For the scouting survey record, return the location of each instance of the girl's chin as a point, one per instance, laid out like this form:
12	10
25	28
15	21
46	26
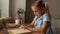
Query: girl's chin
35	15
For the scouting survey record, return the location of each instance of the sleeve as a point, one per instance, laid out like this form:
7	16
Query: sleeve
46	18
35	18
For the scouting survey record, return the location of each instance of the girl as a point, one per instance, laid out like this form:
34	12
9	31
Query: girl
42	21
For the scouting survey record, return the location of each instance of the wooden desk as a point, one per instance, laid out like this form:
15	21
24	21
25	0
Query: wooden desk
19	31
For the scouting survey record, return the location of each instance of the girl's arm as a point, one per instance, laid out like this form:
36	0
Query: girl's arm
39	30
31	24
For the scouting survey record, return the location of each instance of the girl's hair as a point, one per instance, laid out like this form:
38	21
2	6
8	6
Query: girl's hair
41	4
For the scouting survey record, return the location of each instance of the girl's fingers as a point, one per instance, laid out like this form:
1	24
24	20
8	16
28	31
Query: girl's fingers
21	27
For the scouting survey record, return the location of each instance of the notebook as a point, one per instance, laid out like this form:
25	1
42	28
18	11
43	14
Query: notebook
18	31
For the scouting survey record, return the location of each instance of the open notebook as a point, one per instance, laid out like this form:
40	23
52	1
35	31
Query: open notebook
18	31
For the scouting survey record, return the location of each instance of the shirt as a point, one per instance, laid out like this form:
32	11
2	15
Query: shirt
39	21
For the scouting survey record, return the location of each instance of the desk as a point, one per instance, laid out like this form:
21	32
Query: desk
19	31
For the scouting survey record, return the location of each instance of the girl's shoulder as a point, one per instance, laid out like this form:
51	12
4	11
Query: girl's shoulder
46	17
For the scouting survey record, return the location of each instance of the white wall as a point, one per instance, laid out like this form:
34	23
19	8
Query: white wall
16	4
20	4
4	8
13	6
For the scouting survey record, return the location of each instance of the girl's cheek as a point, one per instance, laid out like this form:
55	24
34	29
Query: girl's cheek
36	14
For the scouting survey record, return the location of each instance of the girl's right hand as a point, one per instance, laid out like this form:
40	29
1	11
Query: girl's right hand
21	27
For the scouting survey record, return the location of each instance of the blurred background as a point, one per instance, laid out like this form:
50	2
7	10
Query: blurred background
8	9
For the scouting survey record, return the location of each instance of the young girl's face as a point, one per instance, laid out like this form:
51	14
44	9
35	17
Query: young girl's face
37	12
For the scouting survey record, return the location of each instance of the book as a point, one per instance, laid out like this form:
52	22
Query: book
18	31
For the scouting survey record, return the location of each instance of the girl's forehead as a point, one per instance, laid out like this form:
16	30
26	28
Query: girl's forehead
35	8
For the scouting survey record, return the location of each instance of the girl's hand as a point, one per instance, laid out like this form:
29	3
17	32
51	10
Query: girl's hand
23	27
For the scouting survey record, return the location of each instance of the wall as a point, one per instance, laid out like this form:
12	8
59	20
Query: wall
16	4
4	8
0	4
0	8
